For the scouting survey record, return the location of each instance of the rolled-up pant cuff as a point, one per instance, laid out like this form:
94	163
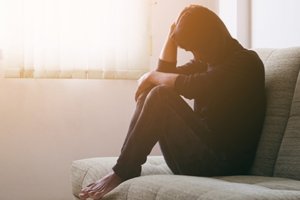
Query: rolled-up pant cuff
126	172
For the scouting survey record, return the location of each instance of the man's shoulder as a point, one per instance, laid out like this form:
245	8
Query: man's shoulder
247	56
245	59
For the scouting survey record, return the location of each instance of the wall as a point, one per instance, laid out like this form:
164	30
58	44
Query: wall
275	23
45	124
262	24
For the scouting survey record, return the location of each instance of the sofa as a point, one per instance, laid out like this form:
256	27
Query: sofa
275	174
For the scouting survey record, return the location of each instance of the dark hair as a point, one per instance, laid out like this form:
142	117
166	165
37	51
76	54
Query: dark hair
198	28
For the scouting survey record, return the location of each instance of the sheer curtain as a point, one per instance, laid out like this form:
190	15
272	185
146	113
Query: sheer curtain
74	38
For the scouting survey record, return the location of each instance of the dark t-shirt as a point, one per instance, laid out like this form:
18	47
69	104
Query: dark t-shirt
229	97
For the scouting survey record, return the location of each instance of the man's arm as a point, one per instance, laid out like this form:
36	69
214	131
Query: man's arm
158	77
168	59
155	78
168	53
169	50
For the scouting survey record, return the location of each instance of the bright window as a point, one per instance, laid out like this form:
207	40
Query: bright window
228	13
74	38
236	15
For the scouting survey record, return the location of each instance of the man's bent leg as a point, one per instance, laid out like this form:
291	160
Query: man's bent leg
149	123
157	115
101	187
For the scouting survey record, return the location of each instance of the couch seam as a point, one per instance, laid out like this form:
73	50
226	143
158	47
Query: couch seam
129	186
279	146
273	166
271	53
156	194
83	178
266	61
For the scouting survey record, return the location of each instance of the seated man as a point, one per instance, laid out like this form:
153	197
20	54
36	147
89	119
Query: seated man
220	135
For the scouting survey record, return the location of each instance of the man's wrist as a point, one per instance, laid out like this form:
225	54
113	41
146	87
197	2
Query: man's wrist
169	52
165	66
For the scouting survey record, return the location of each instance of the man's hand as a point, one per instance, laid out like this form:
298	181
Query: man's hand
187	8
143	85
154	78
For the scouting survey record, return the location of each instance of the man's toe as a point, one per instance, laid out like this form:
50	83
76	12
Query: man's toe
83	195
97	195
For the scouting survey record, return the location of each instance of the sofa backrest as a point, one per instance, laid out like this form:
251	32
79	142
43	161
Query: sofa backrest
278	152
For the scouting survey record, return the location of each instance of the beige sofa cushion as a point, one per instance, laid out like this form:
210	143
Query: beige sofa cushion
86	171
174	187
288	161
282	71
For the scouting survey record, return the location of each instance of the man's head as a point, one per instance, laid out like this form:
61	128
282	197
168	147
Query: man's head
201	31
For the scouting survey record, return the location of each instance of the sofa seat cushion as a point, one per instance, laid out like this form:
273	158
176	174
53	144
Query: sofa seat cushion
157	182
86	171
267	182
164	187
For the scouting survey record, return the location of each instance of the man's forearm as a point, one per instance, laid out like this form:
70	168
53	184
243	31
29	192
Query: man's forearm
169	51
155	78
160	78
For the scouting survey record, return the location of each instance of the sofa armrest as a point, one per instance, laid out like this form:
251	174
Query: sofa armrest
86	171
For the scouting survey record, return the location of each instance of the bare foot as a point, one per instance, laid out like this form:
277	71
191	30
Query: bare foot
101	187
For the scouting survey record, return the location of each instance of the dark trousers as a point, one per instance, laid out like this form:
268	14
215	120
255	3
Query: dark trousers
162	116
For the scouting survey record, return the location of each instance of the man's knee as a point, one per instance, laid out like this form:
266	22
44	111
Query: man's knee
155	92
161	91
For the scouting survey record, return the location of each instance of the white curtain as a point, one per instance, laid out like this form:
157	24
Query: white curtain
74	38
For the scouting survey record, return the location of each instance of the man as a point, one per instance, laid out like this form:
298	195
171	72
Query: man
219	136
